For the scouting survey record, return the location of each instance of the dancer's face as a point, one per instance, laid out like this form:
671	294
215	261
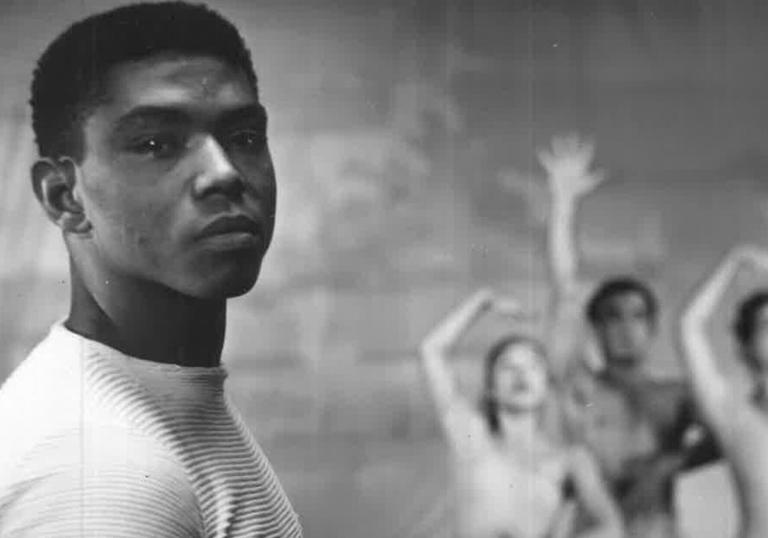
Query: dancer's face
521	378
624	330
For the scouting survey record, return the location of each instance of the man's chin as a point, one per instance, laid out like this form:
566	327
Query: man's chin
223	286
233	287
230	291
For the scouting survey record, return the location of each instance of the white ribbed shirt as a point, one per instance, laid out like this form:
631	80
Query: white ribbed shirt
99	444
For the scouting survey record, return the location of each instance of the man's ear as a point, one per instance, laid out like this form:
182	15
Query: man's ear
54	183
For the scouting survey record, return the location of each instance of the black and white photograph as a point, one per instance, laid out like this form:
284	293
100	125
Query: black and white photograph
383	269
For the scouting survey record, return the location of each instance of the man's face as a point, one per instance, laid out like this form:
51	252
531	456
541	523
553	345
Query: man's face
624	329
177	178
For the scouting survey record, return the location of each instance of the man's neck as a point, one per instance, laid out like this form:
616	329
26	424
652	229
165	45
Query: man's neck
146	320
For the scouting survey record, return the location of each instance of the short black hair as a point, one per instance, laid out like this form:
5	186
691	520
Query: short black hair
620	286
69	79
744	324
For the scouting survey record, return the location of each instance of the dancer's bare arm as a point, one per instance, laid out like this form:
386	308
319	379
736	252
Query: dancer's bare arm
712	391
437	345
569	177
740	427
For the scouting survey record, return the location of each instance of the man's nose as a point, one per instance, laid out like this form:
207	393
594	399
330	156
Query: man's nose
217	174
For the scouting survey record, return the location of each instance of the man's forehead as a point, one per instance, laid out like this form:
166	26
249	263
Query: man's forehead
168	80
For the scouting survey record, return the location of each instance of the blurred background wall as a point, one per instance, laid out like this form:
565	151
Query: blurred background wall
404	135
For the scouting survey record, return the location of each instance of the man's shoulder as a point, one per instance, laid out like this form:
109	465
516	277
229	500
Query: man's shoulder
104	474
95	445
52	356
104	446
48	406
42	388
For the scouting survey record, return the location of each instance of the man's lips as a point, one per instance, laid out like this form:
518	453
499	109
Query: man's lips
230	224
231	232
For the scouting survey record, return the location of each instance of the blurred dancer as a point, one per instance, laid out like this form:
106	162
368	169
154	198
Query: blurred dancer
512	479
638	426
634	424
738	420
154	164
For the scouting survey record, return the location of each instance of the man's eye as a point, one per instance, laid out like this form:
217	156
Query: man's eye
157	146
248	140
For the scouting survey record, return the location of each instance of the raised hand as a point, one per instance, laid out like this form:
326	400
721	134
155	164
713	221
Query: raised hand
568	165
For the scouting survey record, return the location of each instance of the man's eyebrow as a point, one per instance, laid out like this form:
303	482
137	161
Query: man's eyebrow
140	115
153	114
245	113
